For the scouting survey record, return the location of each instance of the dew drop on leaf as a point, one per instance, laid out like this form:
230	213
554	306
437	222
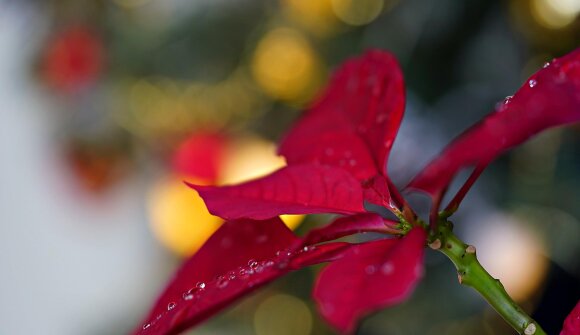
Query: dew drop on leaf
370	269
387	268
252	264
222	282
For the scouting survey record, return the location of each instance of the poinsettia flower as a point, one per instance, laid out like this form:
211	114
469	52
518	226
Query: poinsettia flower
337	155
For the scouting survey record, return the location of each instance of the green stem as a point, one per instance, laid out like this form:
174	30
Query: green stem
471	273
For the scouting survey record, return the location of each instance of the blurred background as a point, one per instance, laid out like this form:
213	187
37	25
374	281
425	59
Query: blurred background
107	105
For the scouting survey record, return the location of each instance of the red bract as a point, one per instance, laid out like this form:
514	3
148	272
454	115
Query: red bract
572	322
549	98
336	160
368	277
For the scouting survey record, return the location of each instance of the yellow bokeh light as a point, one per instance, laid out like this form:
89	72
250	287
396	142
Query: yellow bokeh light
286	67
179	218
249	158
317	16
511	252
357	12
283	314
555	14
130	3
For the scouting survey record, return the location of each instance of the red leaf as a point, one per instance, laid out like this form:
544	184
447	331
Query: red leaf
549	98
370	276
348	225
233	262
311	255
572	322
240	257
299	189
200	156
354	124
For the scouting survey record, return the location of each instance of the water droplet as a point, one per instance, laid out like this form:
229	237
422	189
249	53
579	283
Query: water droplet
262	239
222	282
532	82
252	264
501	106
171	306
147	325
282	265
200	285
269	263
381	118
546	64
387	268
231	275
226	242
306	249
370	269
243	273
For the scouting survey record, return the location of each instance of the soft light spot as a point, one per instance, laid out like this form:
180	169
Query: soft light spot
532	82
357	12
555	14
283	314
250	158
511	251
287	67
178	216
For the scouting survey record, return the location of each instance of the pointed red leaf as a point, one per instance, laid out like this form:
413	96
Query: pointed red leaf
299	189
354	124
348	225
240	257
230	251
549	98
311	255
572	322
368	277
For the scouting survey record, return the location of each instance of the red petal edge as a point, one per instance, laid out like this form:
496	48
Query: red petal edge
572	322
349	225
369	277
549	98
355	122
300	189
240	257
